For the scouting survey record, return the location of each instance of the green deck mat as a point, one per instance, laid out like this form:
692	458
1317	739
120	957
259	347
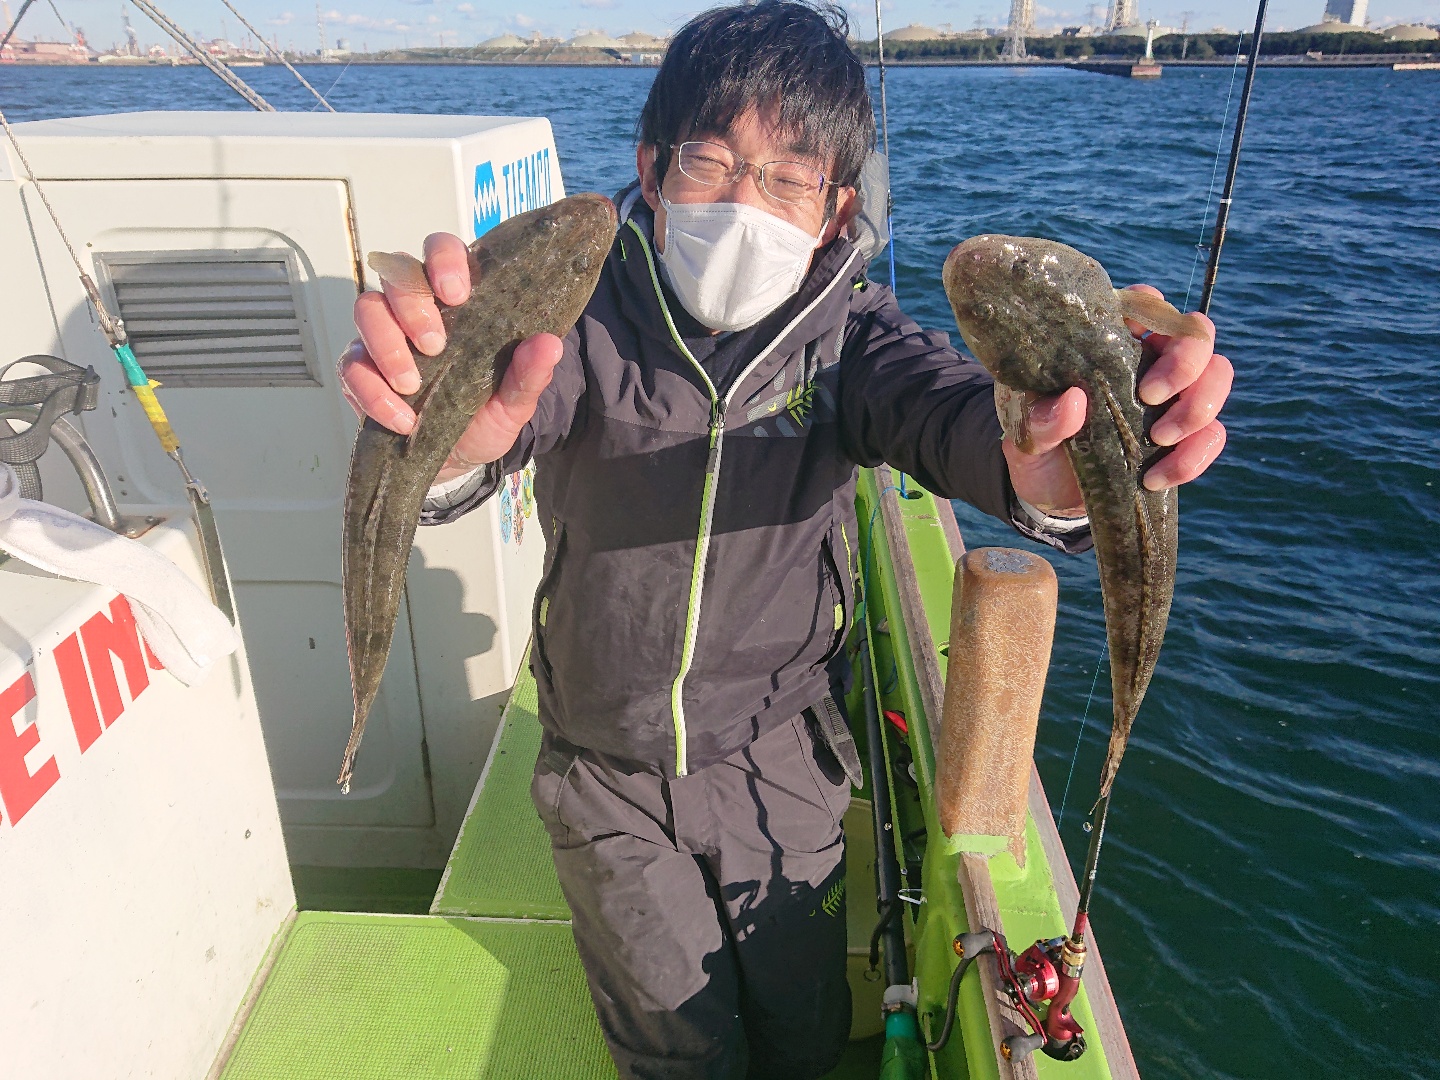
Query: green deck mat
377	997
501	865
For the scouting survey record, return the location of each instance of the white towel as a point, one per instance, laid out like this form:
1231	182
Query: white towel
186	632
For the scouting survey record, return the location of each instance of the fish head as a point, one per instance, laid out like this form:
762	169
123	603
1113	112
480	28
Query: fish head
564	241
1011	296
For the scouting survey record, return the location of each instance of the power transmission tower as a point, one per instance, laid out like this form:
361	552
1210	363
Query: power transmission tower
1022	21
320	25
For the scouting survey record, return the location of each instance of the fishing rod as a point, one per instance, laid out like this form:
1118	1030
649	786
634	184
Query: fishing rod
885	143
1068	955
1049	971
1222	216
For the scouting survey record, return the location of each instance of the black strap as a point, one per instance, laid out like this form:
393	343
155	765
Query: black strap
835	733
40	400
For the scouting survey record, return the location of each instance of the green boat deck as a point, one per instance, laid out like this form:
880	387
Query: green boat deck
486	986
489	985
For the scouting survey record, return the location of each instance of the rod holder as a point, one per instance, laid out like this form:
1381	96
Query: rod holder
1002	625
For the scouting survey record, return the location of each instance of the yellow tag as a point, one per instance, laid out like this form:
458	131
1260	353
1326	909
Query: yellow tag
544	608
839	616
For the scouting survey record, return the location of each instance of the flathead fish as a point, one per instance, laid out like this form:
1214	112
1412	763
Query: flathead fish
1043	317
531	274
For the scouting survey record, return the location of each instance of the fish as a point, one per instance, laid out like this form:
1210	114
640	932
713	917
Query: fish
533	273
1042	317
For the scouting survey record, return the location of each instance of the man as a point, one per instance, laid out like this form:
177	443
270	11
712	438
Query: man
696	439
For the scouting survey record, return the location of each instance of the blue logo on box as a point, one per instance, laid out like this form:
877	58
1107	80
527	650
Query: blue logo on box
487	199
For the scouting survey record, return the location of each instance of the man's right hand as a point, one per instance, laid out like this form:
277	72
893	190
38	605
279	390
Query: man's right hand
377	368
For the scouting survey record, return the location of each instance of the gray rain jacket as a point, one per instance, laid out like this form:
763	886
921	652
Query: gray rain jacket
701	540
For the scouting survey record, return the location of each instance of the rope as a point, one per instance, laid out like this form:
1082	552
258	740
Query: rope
15	25
114	330
60	18
279	56
195	49
140	383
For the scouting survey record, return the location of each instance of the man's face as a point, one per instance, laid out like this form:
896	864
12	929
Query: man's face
754	137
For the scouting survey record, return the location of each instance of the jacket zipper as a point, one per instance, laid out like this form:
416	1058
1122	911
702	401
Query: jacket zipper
718	407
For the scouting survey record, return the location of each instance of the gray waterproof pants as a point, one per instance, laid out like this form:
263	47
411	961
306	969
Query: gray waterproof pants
709	911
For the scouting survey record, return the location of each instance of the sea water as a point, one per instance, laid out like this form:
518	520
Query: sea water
1269	899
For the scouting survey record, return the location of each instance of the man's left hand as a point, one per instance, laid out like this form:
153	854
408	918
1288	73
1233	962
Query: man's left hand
1186	368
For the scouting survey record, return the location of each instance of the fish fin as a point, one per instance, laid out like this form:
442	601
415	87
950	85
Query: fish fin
1133	453
1161	316
1145	649
400	270
1012	406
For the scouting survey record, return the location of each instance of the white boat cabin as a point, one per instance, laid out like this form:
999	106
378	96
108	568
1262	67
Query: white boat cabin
146	828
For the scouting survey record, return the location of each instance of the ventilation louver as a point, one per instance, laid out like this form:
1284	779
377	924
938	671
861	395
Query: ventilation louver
212	318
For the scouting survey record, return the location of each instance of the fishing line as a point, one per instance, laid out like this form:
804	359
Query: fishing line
1214	173
335	84
1104	645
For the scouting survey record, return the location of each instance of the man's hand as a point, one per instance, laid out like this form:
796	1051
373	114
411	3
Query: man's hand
377	369
1187	369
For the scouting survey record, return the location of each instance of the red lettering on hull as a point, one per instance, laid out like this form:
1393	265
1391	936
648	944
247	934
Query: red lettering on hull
86	677
114	636
20	789
75	682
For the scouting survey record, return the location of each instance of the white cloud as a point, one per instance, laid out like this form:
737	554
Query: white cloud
521	19
284	19
465	9
603	5
366	22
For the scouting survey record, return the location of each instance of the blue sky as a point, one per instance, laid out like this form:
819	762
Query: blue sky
392	23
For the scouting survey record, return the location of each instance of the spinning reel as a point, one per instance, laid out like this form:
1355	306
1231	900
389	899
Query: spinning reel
1047	975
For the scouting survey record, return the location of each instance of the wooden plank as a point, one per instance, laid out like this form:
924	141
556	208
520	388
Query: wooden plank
912	607
982	909
981	906
1111	1031
950	527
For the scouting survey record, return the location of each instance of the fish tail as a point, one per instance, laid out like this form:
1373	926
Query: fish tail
1119	737
352	747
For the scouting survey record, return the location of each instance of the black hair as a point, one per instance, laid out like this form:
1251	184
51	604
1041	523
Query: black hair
780	54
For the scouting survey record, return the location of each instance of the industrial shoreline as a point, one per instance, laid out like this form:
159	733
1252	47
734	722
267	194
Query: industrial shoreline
1422	61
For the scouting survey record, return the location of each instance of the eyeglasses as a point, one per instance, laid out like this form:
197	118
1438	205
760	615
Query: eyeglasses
713	165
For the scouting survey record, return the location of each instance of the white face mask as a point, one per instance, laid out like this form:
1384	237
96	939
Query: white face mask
732	264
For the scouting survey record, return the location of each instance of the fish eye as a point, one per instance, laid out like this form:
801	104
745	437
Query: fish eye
983	310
